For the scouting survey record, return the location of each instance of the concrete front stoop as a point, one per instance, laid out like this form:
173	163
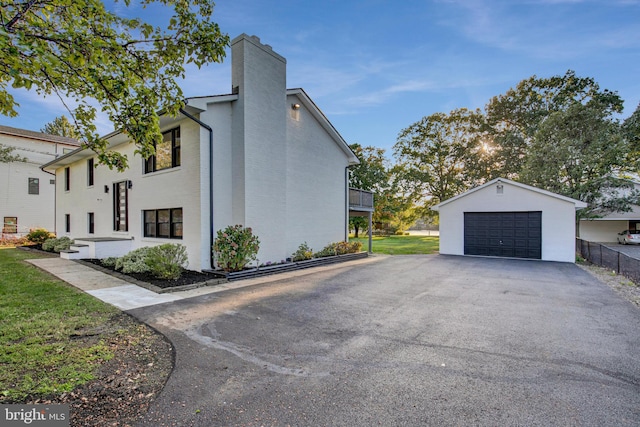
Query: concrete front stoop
97	248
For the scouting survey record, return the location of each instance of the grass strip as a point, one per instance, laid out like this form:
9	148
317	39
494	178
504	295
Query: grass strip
51	335
401	245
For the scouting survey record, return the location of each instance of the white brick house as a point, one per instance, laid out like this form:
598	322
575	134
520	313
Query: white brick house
263	156
27	194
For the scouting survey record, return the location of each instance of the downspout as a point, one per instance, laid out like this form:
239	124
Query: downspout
55	198
346	201
207	127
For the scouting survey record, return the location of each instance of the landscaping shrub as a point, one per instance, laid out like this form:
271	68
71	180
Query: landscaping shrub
134	261
39	236
304	252
339	248
110	261
235	247
167	261
12	241
57	245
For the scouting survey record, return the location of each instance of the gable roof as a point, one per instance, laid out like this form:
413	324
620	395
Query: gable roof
578	203
44	137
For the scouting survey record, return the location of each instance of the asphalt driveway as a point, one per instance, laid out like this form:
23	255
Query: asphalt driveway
408	340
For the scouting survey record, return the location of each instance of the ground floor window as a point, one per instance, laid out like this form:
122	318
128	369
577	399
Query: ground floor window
91	222
10	225
166	223
67	223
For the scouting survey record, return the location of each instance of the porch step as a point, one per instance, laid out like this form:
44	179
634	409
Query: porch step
102	247
70	254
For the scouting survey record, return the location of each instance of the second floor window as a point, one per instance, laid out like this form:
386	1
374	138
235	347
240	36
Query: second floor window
67	179
167	152
90	169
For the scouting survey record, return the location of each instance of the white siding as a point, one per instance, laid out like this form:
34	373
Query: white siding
32	210
602	230
558	218
315	184
170	188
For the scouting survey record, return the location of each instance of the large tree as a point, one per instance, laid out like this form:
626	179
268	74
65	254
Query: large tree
515	117
434	155
370	174
79	50
581	153
631	131
61	126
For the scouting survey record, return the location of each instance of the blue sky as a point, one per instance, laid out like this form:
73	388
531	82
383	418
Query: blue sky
375	67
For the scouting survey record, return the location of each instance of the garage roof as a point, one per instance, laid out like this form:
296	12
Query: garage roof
578	203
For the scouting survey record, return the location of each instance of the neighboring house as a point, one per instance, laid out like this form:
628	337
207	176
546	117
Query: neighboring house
27	194
605	229
262	156
503	218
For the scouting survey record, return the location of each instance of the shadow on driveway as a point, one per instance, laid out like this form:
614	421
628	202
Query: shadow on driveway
405	340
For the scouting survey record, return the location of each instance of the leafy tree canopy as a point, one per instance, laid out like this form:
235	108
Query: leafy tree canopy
370	174
579	153
61	126
79	50
631	131
434	154
515	116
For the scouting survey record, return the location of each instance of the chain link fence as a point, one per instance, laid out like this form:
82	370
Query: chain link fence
603	256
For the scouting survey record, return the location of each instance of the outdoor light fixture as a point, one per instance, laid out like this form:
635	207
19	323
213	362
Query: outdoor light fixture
106	188
129	185
295	106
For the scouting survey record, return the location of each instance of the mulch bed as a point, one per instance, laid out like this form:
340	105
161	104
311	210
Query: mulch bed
188	277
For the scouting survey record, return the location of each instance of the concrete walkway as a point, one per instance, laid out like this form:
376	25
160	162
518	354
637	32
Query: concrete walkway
127	296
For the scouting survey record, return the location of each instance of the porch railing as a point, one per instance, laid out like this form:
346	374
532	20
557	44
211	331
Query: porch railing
360	200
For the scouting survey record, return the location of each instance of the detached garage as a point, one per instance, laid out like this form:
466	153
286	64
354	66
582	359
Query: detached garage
503	218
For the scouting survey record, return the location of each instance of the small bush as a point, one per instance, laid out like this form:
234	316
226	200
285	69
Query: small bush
12	241
167	261
329	250
110	261
304	252
134	261
235	247
339	248
399	233
39	236
57	245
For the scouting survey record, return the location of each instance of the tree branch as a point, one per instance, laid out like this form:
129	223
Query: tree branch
19	15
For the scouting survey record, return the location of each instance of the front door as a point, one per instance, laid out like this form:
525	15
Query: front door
120	206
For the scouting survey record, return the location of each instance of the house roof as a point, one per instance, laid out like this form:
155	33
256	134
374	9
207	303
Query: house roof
44	137
578	203
198	104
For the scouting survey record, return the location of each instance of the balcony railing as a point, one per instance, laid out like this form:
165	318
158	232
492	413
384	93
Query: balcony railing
360	200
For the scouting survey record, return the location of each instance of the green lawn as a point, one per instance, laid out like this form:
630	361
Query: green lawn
51	338
401	245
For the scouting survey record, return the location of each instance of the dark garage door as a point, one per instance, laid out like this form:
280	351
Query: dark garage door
503	234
